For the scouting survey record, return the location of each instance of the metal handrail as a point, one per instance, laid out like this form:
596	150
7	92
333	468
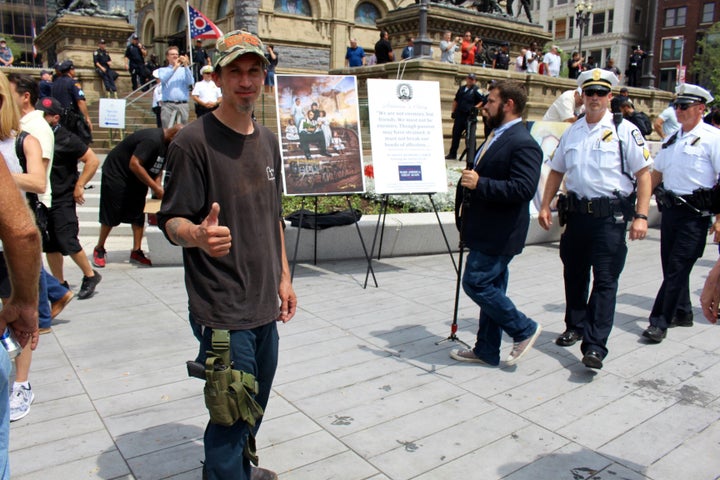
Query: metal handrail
142	94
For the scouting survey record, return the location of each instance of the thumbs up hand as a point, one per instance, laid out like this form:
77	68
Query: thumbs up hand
213	238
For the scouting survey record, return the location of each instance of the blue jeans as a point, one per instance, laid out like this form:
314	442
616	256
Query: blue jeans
55	289
5	368
254	351
485	281
51	290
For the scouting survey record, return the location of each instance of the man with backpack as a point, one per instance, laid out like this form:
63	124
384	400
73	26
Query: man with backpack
640	119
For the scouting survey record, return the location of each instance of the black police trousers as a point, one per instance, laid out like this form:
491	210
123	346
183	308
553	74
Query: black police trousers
597	245
683	234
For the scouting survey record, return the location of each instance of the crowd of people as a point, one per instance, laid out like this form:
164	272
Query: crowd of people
469	49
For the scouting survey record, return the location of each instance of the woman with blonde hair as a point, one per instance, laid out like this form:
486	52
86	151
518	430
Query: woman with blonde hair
34	181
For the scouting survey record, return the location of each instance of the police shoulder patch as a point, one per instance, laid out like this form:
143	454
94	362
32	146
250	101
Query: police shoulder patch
638	137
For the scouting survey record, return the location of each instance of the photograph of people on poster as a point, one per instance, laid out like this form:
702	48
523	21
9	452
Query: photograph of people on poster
318	125
547	134
406	136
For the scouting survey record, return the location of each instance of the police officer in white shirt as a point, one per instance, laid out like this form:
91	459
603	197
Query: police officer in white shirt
688	166
206	94
601	161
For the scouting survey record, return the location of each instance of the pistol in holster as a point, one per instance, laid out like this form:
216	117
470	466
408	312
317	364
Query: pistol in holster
707	199
562	209
229	393
626	205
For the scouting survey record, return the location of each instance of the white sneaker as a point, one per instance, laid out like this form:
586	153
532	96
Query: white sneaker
20	400
521	348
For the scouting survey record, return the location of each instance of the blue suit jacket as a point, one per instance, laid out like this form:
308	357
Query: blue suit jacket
497	220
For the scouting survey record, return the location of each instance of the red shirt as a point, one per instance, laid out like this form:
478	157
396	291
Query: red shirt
468	50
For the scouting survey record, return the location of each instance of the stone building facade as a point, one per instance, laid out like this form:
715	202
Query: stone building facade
309	35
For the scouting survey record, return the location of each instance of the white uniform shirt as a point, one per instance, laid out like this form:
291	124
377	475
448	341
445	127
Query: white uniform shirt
207	91
589	156
692	161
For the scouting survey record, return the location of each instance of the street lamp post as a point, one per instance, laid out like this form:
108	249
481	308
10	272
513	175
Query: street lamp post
423	42
582	18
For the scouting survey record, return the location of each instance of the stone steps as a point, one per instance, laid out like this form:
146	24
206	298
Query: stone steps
138	115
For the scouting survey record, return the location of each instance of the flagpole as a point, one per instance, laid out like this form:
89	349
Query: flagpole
189	39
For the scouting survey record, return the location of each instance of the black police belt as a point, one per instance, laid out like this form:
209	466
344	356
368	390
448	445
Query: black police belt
598	207
703	201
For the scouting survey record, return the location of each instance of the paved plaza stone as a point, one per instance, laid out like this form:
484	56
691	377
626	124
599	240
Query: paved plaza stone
365	391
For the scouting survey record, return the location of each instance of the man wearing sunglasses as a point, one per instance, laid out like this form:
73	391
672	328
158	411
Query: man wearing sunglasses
688	166
601	161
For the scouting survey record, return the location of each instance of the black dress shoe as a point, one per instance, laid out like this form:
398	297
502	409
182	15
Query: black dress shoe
655	334
568	338
684	321
450	157
592	359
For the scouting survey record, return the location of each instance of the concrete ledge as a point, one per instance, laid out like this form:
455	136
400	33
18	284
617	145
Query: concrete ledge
404	234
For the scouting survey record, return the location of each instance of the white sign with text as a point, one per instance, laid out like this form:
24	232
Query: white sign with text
112	113
406	136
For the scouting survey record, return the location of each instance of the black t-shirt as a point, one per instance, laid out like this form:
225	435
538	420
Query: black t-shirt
64	173
148	145
382	51
272	62
209	162
573	72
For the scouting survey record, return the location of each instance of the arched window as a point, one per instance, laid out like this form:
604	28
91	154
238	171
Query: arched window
366	13
149	32
222	9
181	21
296	7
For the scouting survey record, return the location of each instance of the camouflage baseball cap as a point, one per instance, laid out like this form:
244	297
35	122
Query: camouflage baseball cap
235	44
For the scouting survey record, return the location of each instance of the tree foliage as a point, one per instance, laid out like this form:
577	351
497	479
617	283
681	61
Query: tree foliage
706	64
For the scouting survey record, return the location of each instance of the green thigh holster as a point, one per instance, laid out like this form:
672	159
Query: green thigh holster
230	394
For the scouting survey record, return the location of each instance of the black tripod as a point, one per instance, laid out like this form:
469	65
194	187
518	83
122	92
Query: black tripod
460	212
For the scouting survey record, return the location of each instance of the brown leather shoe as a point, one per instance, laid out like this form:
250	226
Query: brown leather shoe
57	307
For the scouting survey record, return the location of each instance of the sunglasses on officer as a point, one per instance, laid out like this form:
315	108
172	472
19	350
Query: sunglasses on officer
684	106
599	92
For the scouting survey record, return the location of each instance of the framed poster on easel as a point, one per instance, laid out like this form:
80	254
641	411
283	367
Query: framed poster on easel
321	147
319	130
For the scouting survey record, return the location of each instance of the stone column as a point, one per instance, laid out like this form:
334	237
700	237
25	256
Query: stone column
246	15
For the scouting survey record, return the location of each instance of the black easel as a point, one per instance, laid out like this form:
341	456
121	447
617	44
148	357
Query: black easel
380	227
300	228
470	164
